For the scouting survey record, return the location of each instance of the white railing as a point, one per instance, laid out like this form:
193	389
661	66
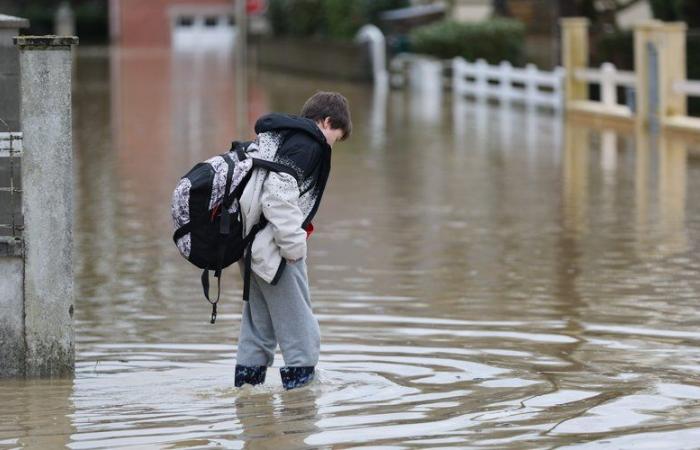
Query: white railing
506	83
410	70
609	79
690	88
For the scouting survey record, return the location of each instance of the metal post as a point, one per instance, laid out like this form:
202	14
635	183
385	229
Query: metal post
47	175
659	54
241	69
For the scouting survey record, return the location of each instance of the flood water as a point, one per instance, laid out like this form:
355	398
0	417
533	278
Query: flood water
484	277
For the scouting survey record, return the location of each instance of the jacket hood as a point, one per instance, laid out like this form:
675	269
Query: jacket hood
278	121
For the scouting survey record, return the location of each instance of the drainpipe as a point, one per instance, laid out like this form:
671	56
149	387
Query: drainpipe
375	37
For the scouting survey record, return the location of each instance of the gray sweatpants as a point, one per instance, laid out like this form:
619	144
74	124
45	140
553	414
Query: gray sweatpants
281	314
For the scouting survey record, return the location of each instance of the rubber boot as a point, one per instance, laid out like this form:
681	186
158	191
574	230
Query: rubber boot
294	377
249	375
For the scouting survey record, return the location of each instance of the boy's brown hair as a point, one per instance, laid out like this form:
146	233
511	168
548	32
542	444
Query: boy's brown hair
329	104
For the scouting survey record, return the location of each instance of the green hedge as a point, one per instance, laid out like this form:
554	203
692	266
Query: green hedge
91	18
335	19
494	40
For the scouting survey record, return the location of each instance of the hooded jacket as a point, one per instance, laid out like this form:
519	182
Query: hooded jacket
288	203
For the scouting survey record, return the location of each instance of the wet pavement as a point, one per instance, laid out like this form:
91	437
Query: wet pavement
484	277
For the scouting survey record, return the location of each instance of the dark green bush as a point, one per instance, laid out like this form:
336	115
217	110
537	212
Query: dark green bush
677	10
693	68
335	19
91	20
494	40
342	18
616	47
305	18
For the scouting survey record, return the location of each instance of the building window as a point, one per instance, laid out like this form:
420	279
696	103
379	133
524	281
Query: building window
185	21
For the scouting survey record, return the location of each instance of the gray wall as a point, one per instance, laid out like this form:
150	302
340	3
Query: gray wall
340	60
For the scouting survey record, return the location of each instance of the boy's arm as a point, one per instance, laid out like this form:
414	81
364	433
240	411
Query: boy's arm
280	206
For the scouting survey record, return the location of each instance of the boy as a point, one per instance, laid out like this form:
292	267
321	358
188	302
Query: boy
279	307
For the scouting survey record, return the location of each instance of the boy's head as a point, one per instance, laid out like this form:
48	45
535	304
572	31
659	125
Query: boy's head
331	113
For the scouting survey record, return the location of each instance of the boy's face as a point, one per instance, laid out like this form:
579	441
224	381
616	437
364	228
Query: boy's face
332	134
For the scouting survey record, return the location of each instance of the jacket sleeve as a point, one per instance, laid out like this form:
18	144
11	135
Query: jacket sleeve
280	196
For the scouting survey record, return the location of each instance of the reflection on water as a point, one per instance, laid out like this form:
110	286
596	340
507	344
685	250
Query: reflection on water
484	276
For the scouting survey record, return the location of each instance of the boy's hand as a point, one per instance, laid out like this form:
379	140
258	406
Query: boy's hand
292	261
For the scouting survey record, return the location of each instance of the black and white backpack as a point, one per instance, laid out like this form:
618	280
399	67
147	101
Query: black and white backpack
207	217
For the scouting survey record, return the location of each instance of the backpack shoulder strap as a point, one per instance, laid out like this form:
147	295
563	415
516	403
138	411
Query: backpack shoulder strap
275	167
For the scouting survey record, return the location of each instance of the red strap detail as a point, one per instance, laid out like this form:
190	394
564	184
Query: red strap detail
214	211
309	229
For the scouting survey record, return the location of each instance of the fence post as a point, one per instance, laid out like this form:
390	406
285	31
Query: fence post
457	75
558	89
47	177
481	82
660	61
531	84
575	56
506	82
608	88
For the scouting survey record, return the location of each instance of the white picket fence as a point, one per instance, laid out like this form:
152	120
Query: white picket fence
609	78
691	88
528	85
506	83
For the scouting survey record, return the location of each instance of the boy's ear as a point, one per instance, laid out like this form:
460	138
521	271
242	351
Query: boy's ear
327	123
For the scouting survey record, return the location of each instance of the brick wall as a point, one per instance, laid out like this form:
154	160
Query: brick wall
146	23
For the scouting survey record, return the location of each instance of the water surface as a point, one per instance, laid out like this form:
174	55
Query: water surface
484	277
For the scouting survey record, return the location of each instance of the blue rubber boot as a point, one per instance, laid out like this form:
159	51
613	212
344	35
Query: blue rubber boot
249	375
294	377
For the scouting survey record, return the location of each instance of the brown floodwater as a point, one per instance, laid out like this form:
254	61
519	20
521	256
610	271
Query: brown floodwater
484	276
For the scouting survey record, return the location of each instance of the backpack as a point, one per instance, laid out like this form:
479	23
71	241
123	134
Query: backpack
207	217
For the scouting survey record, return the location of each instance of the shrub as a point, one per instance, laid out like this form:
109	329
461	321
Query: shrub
341	18
677	11
305	18
336	19
616	47
494	40
91	21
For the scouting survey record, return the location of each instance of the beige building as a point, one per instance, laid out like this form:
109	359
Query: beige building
472	10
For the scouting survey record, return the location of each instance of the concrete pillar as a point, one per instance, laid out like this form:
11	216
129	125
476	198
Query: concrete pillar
574	47
47	175
9	72
660	61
